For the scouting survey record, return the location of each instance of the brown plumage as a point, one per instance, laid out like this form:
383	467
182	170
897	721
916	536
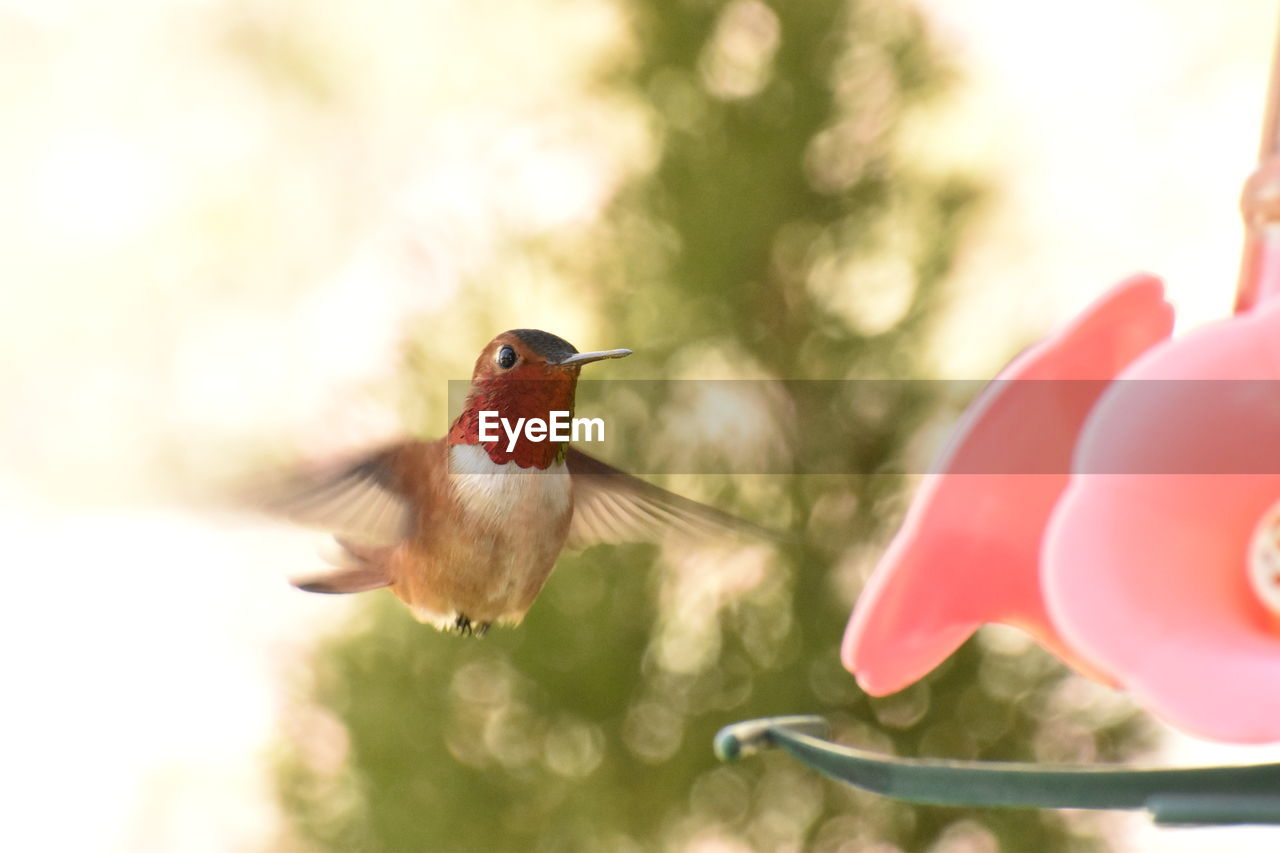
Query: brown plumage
466	532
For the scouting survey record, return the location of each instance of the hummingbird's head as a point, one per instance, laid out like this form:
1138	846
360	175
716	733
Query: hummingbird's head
531	354
523	373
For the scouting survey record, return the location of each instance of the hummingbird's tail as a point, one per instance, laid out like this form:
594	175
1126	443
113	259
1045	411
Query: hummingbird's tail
358	568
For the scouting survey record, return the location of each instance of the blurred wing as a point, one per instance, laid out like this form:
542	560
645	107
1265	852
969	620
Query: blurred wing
360	502
611	506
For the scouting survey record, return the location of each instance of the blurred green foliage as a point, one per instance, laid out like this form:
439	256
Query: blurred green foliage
780	233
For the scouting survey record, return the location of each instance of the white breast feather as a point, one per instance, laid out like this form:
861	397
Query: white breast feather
487	488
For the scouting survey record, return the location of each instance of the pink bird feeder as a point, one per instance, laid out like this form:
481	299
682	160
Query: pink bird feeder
1151	558
1115	493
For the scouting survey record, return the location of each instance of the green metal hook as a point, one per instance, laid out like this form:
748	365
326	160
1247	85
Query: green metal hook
1188	797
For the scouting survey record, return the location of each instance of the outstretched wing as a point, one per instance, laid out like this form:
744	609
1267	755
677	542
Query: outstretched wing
611	506
361	501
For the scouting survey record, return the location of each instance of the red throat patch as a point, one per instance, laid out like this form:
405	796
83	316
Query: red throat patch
514	398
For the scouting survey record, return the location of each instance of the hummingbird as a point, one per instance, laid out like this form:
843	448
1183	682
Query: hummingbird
465	531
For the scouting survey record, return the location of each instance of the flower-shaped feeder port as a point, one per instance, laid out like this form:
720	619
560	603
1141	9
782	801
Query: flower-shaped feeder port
1151	560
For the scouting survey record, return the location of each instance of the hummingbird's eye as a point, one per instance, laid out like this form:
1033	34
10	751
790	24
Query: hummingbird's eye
506	358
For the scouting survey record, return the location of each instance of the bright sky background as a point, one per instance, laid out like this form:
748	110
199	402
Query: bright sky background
1121	131
1118	131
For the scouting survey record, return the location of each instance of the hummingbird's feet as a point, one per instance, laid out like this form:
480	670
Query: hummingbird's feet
464	626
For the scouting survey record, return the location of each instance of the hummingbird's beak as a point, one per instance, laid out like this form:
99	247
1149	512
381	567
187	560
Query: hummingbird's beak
579	358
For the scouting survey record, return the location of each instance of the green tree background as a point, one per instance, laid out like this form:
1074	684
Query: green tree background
780	232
